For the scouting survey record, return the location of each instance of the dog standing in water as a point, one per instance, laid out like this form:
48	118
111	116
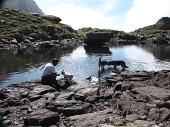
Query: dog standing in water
115	63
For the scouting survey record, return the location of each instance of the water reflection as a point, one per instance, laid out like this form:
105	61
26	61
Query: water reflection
97	49
26	64
160	52
81	62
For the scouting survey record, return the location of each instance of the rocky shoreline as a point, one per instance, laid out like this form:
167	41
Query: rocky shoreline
128	99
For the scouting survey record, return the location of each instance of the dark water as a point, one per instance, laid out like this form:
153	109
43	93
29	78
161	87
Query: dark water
81	62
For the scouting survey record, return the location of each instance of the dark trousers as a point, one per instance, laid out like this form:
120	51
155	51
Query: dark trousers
51	81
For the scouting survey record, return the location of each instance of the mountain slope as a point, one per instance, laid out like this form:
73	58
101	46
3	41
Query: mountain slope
157	33
22	5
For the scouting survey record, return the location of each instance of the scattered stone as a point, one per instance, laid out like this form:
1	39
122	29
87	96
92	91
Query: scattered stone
123	103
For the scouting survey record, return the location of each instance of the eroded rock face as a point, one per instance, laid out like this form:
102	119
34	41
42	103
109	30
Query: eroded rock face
23	5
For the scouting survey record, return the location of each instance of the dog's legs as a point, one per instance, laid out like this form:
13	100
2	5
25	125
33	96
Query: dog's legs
102	68
114	67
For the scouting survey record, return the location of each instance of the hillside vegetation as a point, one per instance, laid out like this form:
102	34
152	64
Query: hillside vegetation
20	25
158	32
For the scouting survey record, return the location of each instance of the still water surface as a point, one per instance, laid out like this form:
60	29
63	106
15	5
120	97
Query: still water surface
81	61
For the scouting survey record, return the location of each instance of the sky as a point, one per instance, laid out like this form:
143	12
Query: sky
123	15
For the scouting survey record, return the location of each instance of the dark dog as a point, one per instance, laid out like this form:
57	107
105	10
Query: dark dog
103	63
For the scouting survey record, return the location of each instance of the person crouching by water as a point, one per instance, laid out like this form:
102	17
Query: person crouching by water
49	74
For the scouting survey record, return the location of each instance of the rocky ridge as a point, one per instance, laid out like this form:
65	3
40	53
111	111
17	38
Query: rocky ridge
158	33
19	30
128	99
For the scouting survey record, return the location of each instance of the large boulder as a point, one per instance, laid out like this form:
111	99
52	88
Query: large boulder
98	38
163	23
52	18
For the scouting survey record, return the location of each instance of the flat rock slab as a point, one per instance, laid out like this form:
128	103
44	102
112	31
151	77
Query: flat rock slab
153	92
42	117
88	120
40	90
88	91
69	107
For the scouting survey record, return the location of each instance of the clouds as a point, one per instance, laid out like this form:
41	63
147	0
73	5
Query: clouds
79	17
126	15
146	12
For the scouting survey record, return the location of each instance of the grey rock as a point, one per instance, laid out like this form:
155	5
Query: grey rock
69	107
40	90
42	117
163	23
52	18
154	114
131	117
87	120
153	92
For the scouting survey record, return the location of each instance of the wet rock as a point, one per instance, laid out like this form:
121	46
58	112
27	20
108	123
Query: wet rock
42	117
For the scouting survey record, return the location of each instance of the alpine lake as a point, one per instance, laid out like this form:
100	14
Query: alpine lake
82	61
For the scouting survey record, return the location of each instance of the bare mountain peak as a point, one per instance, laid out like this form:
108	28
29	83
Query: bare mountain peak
22	5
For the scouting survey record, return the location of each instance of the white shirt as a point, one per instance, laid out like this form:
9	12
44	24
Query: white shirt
48	69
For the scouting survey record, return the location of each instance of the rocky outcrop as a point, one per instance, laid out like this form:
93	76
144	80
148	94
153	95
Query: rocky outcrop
98	38
103	36
125	99
163	23
158	33
52	18
20	30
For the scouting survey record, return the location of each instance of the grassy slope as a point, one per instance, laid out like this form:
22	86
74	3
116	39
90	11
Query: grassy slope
12	22
150	31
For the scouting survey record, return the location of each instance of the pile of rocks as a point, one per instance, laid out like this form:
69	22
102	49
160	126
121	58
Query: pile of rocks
138	99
